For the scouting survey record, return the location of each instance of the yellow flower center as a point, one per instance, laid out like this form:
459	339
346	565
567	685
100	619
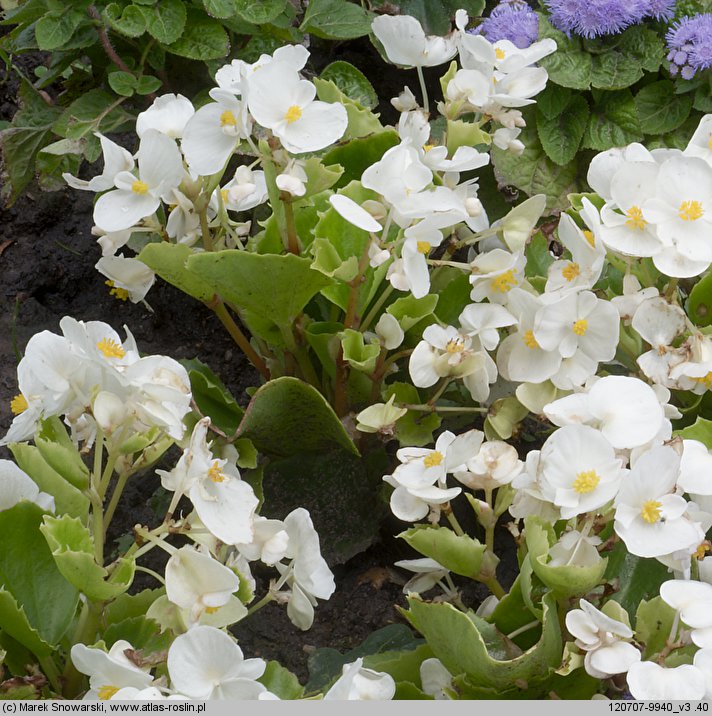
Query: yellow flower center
139	187
434	459
423	247
651	511
570	271
216	474
504	282
211	610
691	211
706	380
702	550
500	54
455	346
427	147
18	404
121	293
580	327
224	194
227	119
293	114
110	348
635	218
106	692
586	482
530	341
588	235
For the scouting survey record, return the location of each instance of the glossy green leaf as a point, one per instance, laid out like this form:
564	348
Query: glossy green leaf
336	20
362	122
458	553
415	428
73	551
352	82
165	20
128	20
653	624
141	632
643	46
409	311
14	622
89	113
260	13
281	682
169	262
551	102
60	453
700	430
699	304
123	83
55	29
147	84
126	606
614	70
358	354
464	134
660	110
220	8
202	39
287	417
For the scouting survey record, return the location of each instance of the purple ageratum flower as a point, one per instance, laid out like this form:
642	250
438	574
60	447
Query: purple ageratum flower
513	21
689	43
592	18
661	9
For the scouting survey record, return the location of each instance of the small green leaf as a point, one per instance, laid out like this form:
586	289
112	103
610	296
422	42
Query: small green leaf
464	134
281	682
352	82
653	624
551	102
359	355
221	8
409	311
260	13
328	261
561	135
359	154
288	417
60	453
123	83
147	84
643	46
614	122
90	113
458	553
202	39
129	21
55	29
73	551
166	20
660	110
415	428
336	20
126	606
361	121
141	632
14	622
570	66
701	430
169	262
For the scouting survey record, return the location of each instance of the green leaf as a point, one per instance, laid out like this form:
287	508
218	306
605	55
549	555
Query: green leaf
699	304
539	257
701	430
89	113
533	172
511	613
552	101
561	134
260	13
570	66
336	20
653	624
660	110
126	606
703	97
613	123
271	286
287	417
46	598
359	355
31	130
60	453
169	262
166	20
212	396
464	134
361	121
221	8
415	428
202	39
141	632
73	551
565	581
359	154
613	70
55	29
467	644
281	682
129	21
409	311
352	82
503	417
123	83
452	288
319	176
328	261
147	84
458	553
67	498
13	621
643	46
435	15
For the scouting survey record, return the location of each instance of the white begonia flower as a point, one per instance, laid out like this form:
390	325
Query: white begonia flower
246	190
280	100
18	486
579	470
703	661
224	503
472	88
380	417
359	684
482	320
435	679
183	222
110	242
131	693
602	639
506	139
109	411
406	43
496	464
213	132
694	373
625	409
495	274
693	600
128	274
419	240
160	169
695	469
116	160
427	573
632	297
205	663
649	681
235	76
464	159
528	498
199	583
293	179
604	165
411	504
650	518
700	144
269	543
354	213
405	101
109	672
389	331
168	114
575	548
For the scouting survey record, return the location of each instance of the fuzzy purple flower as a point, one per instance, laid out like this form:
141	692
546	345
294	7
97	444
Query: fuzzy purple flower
689	43
661	9
513	21
592	18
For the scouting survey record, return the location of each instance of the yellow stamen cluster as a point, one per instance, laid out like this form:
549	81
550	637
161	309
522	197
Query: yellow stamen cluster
455	346
580	327
293	114
227	119
691	211
651	511
139	187
216	474
706	380
423	247
702	550
530	341
571	271
434	459
106	692
211	610
588	235
586	482
121	293
635	218
500	54
427	147
110	348
504	282
18	404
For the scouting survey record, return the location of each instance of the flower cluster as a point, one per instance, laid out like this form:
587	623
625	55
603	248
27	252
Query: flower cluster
513	21
690	46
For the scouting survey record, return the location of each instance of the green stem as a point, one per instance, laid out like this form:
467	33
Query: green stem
258	605
300	354
442	409
456	527
115	497
375	309
155	575
489	531
438	393
523	629
423	89
495	587
351	320
205	229
273	190
85	633
49	669
291	227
